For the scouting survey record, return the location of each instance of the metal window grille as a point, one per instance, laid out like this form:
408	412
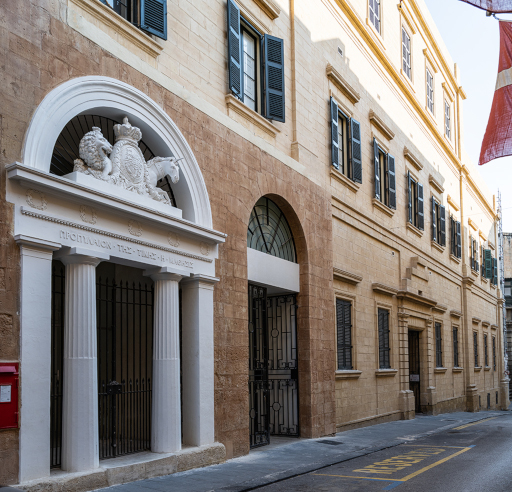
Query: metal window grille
384	349
486	351
375	14
406	53
475	347
430	91
494	354
455	347
344	334
439	353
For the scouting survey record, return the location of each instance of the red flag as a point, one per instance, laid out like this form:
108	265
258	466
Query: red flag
498	135
495	6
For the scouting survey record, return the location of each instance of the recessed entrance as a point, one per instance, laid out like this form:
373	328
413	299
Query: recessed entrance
414	367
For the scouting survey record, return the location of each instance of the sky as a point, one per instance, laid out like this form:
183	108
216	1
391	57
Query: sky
472	40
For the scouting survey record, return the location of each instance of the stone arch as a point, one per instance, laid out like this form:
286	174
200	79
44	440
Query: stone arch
115	99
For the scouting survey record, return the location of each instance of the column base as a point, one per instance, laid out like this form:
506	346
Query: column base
407	405
504	394
472	403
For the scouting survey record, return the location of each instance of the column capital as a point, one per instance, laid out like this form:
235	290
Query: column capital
199	278
33	243
166	273
81	256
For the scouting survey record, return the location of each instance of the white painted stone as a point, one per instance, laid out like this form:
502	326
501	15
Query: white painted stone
80	448
166	407
197	360
35	356
272	271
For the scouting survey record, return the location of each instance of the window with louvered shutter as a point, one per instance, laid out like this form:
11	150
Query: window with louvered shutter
475	347
421	219
453	237
234	49
475	248
433	218
488	263
459	241
274	78
376	167
153	17
355	151
335	159
494	353
384	349
391	182
344	334
409	196
455	347
486	351
439	347
495	271
442	225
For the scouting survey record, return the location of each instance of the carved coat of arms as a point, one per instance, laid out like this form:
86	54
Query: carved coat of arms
126	166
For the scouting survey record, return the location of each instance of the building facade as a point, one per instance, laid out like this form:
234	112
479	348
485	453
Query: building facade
225	221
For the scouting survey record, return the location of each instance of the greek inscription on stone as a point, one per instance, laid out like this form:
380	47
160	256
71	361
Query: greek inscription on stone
85	239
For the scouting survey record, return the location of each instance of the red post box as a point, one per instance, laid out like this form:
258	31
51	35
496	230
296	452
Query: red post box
9	378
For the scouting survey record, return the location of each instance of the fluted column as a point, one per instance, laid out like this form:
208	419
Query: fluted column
80	390
198	360
166	403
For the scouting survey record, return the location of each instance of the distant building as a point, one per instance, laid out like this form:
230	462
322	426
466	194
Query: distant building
507	255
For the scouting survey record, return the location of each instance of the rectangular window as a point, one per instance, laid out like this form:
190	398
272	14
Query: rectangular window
344	334
494	279
456	249
447	124
406	53
455	347
473	252
439	346
384	349
508	288
438	219
475	347
249	68
415	192
486	351
375	14
493	353
385	178
430	91
345	143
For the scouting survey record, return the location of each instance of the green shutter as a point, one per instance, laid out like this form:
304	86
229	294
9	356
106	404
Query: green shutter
335	147
153	17
409	195
234	50
391	182
355	151
488	263
433	219
274	78
495	271
459	241
376	166
421	217
442	224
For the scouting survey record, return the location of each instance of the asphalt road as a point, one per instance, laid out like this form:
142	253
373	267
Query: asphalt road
473	457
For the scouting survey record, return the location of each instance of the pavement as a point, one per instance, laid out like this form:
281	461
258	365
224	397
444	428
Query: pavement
285	458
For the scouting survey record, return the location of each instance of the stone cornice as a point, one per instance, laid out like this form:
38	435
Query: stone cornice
384	289
453	203
345	276
416	298
383	208
352	185
412	159
380	125
269	7
455	314
435	184
334	76
476	320
439	308
472	224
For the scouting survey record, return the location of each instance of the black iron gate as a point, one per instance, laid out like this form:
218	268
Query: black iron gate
414	367
125	353
273	366
58	288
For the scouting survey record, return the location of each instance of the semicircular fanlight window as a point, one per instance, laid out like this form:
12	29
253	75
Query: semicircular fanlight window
66	147
269	231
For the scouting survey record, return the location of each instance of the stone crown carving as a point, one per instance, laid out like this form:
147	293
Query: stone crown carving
123	163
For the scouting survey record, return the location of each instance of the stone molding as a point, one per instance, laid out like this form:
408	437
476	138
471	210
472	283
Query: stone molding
454	258
435	184
472	224
382	207
457	369
486	324
414	229
384	289
345	276
412	159
270	8
476	320
234	104
340	177
348	374
440	370
127	30
35	243
380	125
437	246
384	373
440	308
416	298
453	203
340	83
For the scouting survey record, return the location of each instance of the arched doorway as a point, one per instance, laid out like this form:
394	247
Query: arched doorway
273	274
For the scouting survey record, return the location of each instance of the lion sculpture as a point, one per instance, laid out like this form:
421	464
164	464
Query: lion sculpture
126	166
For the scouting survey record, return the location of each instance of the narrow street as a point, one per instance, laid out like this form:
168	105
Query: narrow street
458	452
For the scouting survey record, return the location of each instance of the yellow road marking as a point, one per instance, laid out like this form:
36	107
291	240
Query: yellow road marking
473	423
363	478
422	446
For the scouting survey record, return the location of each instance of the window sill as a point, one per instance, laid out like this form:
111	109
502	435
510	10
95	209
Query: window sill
383	208
474	273
493	286
485	280
440	370
457	369
353	186
487	368
234	104
437	246
454	258
348	374
384	373
119	25
478	368
414	229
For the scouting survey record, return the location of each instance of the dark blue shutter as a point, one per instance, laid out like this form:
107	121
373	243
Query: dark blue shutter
234	49
409	195
335	147
153	17
421	218
459	241
391	182
434	219
442	223
355	151
376	165
488	263
274	78
495	271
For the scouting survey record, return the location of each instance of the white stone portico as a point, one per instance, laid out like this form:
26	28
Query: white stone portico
83	221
